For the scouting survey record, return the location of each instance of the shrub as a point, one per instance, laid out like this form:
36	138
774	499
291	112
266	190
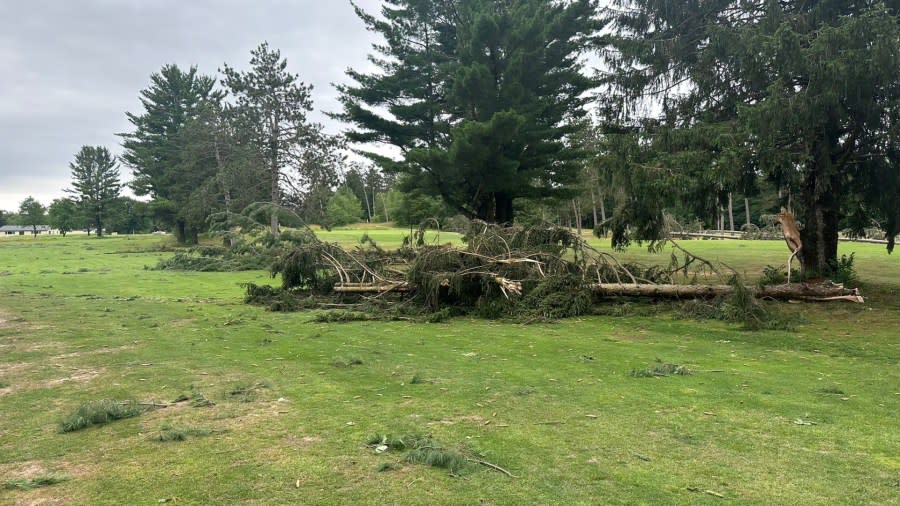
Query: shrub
842	270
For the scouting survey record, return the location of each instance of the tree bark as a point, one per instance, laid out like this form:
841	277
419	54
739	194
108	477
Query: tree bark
793	291
821	217
602	206
594	206
730	212
577	214
747	212
800	291
180	233
503	208
366	198
384	204
276	200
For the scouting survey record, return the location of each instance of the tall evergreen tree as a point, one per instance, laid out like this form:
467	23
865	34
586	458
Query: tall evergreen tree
153	150
480	96
272	105
95	183
228	170
805	93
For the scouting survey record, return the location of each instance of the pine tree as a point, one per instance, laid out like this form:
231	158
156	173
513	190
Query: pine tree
95	183
272	105
804	93
479	96
154	151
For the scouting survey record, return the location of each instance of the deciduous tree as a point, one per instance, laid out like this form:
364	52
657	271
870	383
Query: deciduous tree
64	215
32	213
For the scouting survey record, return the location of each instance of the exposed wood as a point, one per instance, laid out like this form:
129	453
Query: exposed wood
495	467
371	288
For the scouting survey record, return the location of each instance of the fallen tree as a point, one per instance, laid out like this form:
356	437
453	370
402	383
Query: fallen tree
525	273
818	292
813	292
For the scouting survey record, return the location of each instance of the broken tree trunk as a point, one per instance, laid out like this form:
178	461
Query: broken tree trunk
794	291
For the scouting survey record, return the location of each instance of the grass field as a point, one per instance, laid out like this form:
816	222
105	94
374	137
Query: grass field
772	417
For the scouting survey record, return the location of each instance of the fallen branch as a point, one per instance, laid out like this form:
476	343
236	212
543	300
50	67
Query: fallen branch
495	467
372	287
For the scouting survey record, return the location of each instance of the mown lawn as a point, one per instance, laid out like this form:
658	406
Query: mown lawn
773	417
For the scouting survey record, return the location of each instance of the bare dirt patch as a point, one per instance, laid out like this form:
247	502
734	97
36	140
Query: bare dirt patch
9	368
79	376
35	469
297	442
98	351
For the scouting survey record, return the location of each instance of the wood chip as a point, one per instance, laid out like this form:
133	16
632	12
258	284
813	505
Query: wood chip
713	493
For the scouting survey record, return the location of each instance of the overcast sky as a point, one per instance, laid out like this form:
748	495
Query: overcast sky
70	69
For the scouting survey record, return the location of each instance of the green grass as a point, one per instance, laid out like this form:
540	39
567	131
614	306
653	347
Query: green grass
554	403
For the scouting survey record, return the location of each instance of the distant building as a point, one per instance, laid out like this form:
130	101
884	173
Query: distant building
22	230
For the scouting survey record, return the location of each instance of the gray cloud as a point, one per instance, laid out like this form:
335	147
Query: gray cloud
71	69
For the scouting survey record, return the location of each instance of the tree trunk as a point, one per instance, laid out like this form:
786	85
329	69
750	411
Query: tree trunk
747	212
384	204
276	200
800	291
226	185
793	291
602	206
820	221
730	212
594	206
577	213
366	198
180	233
503	208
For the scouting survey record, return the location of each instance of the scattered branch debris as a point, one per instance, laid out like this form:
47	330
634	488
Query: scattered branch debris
661	369
527	273
422	449
101	412
32	483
